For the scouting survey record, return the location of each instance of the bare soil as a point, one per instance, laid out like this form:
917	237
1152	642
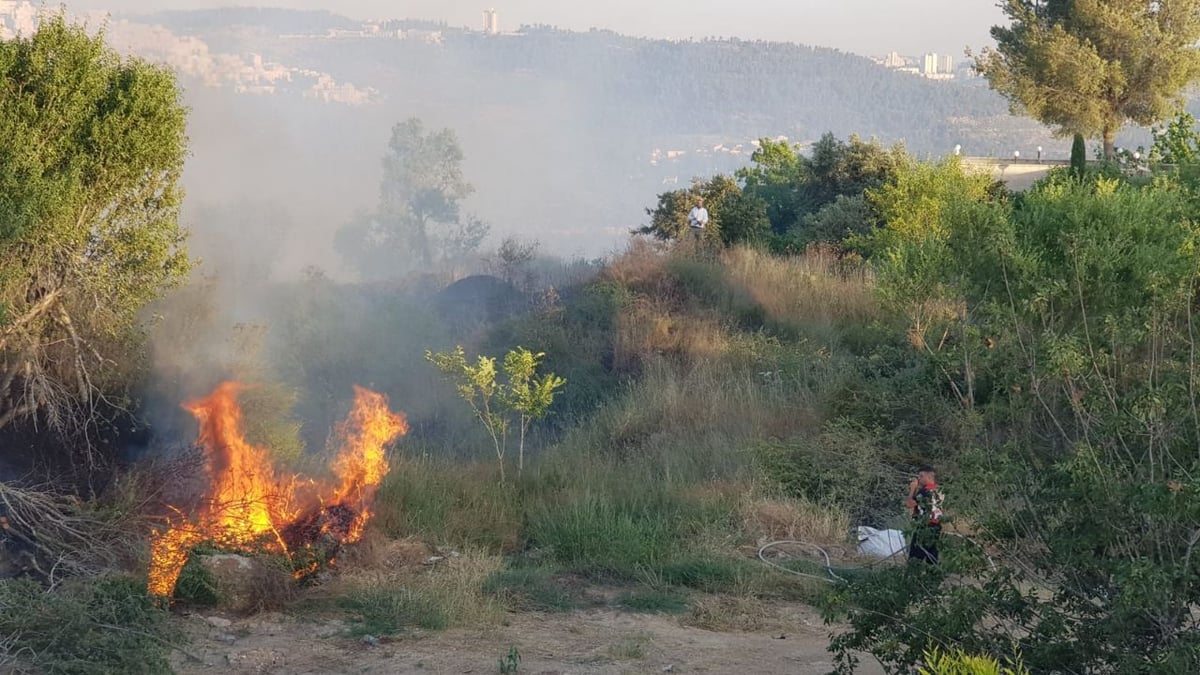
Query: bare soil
791	639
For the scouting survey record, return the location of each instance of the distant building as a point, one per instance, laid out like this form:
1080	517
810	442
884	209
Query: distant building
945	64
491	22
894	60
929	65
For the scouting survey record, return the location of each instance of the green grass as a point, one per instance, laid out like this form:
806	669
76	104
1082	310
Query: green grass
446	503
706	573
650	601
532	589
382	610
596	536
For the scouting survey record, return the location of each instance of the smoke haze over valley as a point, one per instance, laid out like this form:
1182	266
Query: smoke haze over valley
568	136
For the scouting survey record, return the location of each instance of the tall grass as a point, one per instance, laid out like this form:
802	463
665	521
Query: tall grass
816	289
461	504
663	482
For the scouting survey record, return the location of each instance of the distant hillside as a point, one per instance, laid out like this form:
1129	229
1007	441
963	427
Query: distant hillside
739	88
205	21
732	89
568	136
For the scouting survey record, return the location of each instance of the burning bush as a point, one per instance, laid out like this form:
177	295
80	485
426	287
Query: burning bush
248	505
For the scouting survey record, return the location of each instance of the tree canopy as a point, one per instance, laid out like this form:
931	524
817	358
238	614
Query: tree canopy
91	150
786	198
422	187
1092	66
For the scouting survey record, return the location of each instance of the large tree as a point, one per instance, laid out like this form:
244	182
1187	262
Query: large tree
422	187
1092	66
91	150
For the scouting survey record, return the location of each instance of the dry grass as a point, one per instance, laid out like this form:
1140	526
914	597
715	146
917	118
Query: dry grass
728	613
813	288
452	587
631	647
642	267
378	552
768	519
713	405
654	328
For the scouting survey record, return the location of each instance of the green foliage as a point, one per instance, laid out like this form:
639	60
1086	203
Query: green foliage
1078	156
92	146
597	534
796	188
447	503
522	394
844	218
85	627
1177	142
533	589
839	467
196	584
775	178
708	573
959	663
734	217
383	609
1091	67
511	663
527	395
422	188
1073	347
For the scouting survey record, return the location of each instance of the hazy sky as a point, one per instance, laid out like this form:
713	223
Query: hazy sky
863	26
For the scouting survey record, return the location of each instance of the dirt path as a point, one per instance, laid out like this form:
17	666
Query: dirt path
583	643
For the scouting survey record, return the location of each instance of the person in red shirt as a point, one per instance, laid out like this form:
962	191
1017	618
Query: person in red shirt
925	502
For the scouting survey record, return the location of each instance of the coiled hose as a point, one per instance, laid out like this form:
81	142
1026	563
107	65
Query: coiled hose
834	577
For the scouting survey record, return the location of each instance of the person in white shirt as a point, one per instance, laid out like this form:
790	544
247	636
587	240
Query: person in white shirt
698	219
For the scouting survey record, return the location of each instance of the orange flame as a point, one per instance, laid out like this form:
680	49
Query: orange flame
249	505
362	465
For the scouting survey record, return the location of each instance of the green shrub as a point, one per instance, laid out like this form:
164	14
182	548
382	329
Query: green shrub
196	584
85	627
381	609
960	663
841	467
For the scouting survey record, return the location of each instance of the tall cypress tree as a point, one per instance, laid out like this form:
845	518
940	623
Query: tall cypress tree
1078	157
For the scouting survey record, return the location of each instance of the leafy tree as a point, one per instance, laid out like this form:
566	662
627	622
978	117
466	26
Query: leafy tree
795	187
527	395
848	168
777	174
1177	142
92	146
1092	66
495	402
513	259
844	218
422	187
733	216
